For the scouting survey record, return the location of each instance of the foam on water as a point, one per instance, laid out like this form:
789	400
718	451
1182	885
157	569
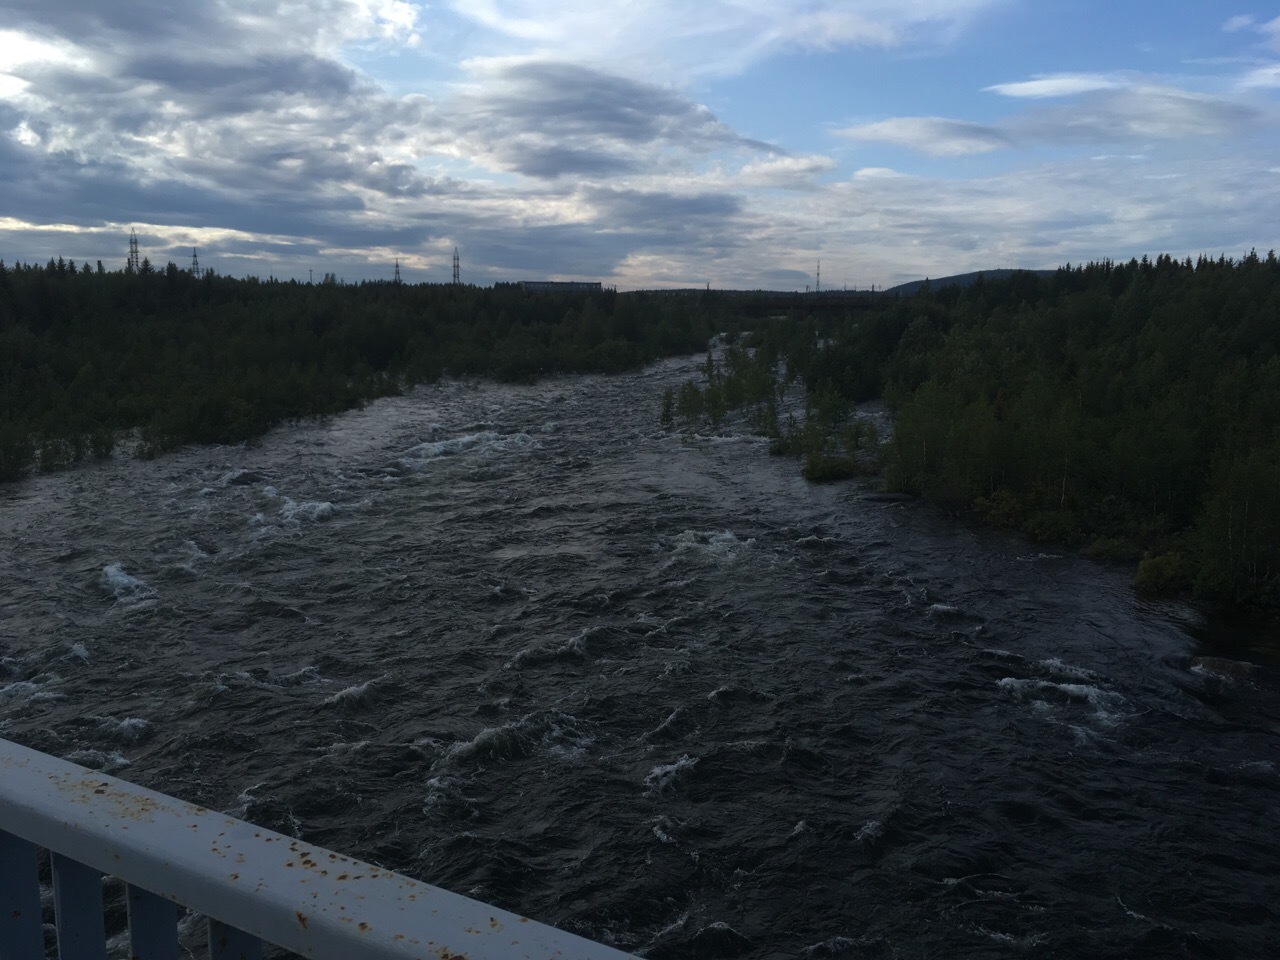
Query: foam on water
480	443
26	691
721	547
1019	944
664	776
128	590
445	800
572	649
553	732
448	448
308	511
1064	670
566	739
130	730
106	761
663	828
306	676
666	727
835	947
344	749
1106	704
240	478
870	832
355	694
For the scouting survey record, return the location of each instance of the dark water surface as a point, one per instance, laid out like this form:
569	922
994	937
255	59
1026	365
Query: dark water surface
520	643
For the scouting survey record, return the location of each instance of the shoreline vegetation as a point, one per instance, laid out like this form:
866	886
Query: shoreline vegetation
89	357
1127	410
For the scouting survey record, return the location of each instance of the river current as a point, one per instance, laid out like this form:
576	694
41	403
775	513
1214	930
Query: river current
522	643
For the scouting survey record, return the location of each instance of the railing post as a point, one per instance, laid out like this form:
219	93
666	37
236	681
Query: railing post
153	926
77	906
21	925
228	943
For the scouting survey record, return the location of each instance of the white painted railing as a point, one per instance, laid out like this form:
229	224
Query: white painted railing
255	886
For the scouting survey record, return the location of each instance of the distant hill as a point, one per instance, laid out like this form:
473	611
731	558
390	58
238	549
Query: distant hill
962	280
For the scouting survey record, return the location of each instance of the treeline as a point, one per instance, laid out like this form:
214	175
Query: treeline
88	356
1131	409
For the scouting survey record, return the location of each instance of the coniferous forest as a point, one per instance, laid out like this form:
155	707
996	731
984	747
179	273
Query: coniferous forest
1131	410
88	356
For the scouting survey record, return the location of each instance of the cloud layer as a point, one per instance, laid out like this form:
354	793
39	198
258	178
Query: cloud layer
576	139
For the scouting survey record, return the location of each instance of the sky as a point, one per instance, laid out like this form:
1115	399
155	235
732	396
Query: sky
777	144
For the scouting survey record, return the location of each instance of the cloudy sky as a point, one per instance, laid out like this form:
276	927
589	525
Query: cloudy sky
645	144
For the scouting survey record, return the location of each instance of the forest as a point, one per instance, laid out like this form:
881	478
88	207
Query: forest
1131	410
89	357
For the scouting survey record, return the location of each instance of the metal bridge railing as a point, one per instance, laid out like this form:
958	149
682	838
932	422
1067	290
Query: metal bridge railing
254	885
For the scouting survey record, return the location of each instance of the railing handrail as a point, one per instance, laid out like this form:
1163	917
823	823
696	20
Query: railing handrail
304	898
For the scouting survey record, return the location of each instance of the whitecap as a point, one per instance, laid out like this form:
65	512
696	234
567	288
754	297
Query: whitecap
437	449
661	826
574	648
445	799
835	947
343	749
666	726
815	542
516	441
356	693
308	676
566	740
245	799
26	691
240	478
1067	671
721	547
1104	703
129	591
499	742
306	511
871	831
129	730
663	777
1019	943
674	927
98	759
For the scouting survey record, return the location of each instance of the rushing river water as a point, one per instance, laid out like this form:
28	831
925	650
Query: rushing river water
522	643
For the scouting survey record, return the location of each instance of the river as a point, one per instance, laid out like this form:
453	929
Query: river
522	643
